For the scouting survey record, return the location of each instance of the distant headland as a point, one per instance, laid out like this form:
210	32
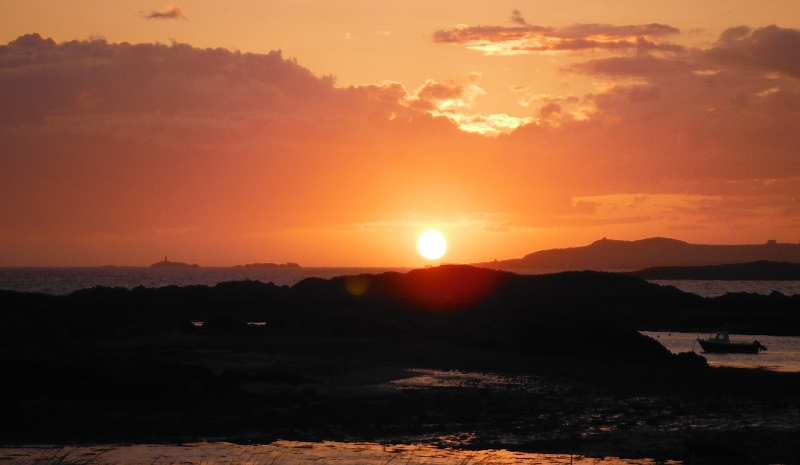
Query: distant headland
168	264
616	255
269	265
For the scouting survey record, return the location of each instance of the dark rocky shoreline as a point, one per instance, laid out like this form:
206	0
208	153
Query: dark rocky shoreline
114	365
753	271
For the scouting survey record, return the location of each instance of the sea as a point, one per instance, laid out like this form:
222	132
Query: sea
63	280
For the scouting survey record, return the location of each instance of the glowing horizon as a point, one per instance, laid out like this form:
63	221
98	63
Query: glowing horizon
332	135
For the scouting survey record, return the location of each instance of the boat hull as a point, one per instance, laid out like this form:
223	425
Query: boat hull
713	347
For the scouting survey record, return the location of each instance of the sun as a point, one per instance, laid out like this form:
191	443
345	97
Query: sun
432	245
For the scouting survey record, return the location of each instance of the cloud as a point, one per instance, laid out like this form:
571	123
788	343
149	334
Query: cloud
32	40
105	143
488	124
702	133
763	50
768	49
746	75
172	11
105	146
527	38
452	100
531	98
447	94
551	109
93	76
640	66
516	17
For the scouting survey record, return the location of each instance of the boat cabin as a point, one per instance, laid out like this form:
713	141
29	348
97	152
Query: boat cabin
722	337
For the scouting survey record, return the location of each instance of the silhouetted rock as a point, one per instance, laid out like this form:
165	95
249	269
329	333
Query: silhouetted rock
692	358
565	312
222	324
556	357
754	271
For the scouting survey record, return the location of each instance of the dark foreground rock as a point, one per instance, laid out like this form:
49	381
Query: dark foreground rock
453	356
763	270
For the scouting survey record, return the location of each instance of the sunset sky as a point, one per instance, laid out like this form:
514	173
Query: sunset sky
334	133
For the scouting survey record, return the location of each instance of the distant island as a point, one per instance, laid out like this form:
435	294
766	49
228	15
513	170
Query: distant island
168	264
269	265
754	271
616	255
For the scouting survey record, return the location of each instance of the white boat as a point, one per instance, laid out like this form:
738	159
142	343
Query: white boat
721	344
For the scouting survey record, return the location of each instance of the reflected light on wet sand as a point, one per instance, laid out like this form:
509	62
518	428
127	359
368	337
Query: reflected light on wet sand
291	453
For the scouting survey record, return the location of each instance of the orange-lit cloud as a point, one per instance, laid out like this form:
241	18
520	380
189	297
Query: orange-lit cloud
119	153
449	94
172	11
453	100
527	38
221	146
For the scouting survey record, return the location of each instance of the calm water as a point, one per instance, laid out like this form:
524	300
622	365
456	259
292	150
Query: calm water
66	280
783	352
290	453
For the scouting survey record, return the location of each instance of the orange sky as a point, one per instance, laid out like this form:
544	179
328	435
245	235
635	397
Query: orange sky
335	133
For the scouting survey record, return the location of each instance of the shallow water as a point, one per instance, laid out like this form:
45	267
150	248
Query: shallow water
426	378
783	352
290	453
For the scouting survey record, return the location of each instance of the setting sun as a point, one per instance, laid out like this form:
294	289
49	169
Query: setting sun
432	245
334	136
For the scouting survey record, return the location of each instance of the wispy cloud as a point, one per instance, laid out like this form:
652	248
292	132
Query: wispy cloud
528	38
172	11
516	17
